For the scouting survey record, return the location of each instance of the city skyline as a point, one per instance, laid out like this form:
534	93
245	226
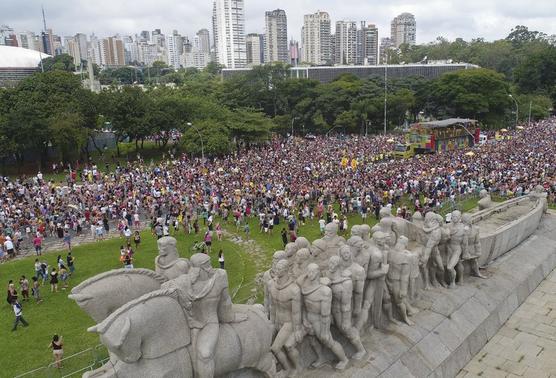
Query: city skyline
434	19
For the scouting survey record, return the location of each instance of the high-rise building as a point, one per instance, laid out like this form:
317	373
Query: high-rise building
202	40
8	36
295	54
229	33
255	49
315	36
131	49
367	45
276	36
345	48
72	49
174	49
386	44
403	29
27	40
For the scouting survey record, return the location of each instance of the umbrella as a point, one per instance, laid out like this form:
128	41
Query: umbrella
390	140
520	127
470	153
74	207
503	130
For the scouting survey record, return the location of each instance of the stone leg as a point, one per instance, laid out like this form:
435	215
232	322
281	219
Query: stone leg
475	268
279	342
206	346
459	271
338	351
317	348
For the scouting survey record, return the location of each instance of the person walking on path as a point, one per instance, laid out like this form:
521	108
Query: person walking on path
37	242
35	289
221	259
54	280
24	285
18	311
57	350
71	263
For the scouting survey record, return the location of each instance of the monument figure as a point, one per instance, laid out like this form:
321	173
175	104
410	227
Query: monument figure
168	263
358	276
456	231
301	260
268	276
342	293
472	246
317	301
485	202
397	278
285	315
430	258
374	288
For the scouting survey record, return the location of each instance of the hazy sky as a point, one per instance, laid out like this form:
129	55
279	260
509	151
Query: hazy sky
490	19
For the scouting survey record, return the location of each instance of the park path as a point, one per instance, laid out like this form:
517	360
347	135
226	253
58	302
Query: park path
525	346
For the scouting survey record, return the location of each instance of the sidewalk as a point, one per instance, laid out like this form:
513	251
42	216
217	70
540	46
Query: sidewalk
526	345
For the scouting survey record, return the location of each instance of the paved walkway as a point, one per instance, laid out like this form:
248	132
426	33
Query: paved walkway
526	345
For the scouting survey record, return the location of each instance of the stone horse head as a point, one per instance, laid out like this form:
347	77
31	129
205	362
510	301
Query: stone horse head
104	293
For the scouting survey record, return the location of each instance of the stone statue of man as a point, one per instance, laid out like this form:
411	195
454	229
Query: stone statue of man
285	315
268	276
456	230
203	293
472	246
397	279
317	301
430	258
358	276
374	288
168	263
360	251
301	260
342	292
485	202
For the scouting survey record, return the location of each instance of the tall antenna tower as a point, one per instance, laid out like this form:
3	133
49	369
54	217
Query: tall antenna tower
43	19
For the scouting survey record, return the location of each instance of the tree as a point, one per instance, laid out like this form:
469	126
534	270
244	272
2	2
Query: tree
208	136
480	94
126	109
63	62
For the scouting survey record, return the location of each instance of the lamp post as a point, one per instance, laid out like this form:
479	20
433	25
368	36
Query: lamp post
516	108
530	106
201	137
293	119
385	91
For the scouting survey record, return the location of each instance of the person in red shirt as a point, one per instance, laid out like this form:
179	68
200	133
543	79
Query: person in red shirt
37	242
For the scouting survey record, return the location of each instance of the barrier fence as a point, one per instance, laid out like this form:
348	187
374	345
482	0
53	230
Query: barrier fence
72	366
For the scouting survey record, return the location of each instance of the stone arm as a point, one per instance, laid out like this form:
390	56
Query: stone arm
406	271
432	242
326	311
347	287
477	243
297	318
358	289
225	313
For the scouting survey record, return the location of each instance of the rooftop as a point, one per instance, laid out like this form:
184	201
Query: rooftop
18	57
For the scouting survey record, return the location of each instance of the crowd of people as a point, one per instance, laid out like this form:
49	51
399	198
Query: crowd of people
286	179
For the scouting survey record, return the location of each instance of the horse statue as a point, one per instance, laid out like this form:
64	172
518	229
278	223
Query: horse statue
150	336
104	293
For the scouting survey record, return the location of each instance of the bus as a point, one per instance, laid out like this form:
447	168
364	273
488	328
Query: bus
438	136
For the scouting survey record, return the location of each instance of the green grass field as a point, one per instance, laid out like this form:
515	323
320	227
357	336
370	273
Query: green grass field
27	348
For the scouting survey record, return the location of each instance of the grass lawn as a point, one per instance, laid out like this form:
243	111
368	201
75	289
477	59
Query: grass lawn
26	349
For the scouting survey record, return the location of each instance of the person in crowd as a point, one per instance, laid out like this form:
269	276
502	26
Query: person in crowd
24	286
57	345
221	259
71	263
35	289
53	281
18	311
